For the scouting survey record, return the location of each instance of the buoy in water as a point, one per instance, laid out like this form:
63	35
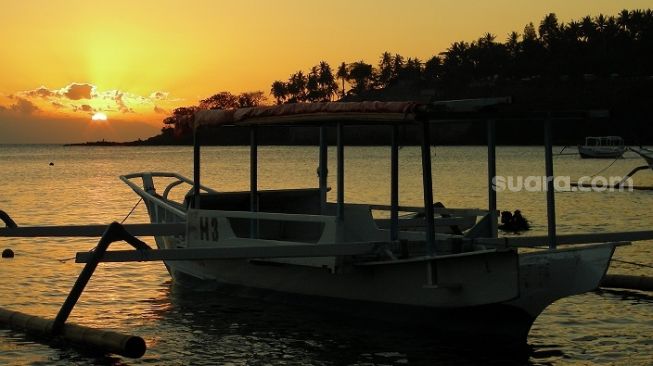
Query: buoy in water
7	253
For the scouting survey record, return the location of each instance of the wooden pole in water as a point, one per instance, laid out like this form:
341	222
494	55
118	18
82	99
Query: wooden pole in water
196	168
394	184
427	181
491	174
253	180
102	340
550	193
641	283
340	152
323	170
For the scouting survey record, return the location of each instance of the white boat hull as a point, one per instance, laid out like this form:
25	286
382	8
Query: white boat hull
601	152
400	294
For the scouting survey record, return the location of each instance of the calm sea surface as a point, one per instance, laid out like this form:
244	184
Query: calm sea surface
184	327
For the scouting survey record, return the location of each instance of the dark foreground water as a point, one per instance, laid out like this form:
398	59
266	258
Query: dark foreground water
201	327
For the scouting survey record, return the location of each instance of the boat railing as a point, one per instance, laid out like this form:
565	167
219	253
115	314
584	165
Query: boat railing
437	210
160	202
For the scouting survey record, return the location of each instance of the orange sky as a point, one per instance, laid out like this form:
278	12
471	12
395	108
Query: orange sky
62	61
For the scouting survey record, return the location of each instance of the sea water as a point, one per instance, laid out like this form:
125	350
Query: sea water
183	327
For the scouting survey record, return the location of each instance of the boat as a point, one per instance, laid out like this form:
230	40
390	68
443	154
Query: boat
292	245
605	147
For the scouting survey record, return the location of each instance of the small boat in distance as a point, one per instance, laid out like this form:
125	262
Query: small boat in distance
604	147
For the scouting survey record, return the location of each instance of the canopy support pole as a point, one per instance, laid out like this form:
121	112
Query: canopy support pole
427	180
323	170
196	169
340	152
253	180
394	184
491	174
550	193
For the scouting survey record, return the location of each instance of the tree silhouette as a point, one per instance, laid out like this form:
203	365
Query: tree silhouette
279	91
343	74
361	76
297	87
385	70
221	100
326	81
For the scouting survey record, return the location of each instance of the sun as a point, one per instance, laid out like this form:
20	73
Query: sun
99	116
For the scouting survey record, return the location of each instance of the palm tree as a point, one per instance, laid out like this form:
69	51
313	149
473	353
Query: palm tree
624	21
313	92
343	74
433	68
327	81
297	87
397	65
361	74
549	30
279	91
385	69
512	44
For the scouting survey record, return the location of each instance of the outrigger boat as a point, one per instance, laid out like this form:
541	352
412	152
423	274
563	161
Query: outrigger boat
605	147
459	283
292	245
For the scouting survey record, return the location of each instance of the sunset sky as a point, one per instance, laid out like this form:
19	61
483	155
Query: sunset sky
63	61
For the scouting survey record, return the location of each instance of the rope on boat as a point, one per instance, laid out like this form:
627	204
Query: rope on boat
633	263
604	169
131	211
64	260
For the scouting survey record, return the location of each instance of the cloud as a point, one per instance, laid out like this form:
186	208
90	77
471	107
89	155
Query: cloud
88	98
159	95
23	106
122	107
83	108
41	92
76	91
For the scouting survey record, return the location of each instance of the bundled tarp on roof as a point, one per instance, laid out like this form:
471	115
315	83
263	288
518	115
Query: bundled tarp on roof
308	112
359	112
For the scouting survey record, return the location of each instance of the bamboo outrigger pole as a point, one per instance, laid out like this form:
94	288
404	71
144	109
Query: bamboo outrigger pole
102	340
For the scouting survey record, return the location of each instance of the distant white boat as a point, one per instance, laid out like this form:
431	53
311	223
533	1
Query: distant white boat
605	147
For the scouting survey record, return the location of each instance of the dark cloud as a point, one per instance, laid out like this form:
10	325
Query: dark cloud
159	95
76	91
41	92
58	105
23	106
160	110
83	108
122	107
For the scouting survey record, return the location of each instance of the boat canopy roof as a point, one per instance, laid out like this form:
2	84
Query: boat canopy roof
344	112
